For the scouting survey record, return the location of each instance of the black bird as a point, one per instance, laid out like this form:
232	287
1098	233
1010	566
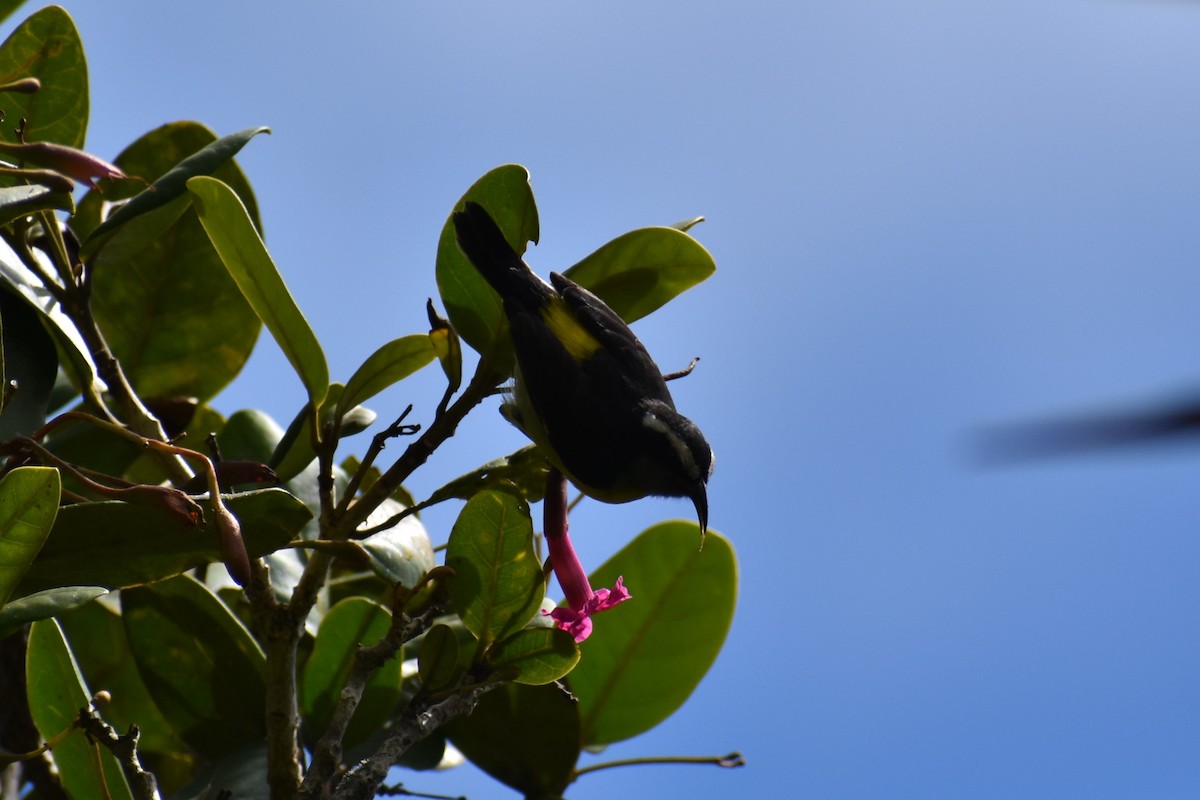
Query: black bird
585	389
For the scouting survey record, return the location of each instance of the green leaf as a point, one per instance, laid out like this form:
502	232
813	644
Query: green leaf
240	773
200	664
28	505
390	364
152	156
447	346
644	659
45	604
640	271
348	624
118	545
46	46
498	584
31	291
31	362
97	637
437	661
527	737
401	554
169	309
56	693
538	655
21	201
524	469
295	450
233	234
7	7
473	308
172	183
248	435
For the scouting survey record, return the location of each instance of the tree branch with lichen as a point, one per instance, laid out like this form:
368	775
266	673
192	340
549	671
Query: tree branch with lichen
142	782
327	755
420	719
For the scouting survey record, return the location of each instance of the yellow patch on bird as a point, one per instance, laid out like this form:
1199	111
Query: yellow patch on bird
558	318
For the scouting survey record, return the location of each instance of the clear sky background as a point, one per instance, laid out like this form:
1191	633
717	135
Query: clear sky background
928	217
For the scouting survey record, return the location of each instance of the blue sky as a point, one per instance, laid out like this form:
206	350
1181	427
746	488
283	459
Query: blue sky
927	217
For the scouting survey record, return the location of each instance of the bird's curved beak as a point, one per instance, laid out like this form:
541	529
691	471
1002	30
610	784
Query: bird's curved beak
699	497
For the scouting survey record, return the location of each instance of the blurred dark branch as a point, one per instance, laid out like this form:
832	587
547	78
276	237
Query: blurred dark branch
1088	433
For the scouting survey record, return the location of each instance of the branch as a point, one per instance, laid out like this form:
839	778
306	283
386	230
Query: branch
420	719
279	632
417	453
17	731
327	755
73	296
143	784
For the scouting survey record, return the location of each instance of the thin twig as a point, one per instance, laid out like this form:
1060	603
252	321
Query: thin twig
683	373
378	443
418	452
728	761
142	783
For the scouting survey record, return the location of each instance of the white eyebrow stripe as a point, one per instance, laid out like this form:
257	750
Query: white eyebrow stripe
655	423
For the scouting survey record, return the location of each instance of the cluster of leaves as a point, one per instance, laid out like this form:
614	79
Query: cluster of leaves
131	665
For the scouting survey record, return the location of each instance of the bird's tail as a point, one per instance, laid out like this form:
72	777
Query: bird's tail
484	245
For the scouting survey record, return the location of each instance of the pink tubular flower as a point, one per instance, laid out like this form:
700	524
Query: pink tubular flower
578	622
582	602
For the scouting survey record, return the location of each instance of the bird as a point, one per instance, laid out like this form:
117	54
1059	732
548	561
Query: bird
585	390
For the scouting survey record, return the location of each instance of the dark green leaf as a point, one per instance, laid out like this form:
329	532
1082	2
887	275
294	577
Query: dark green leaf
31	362
233	235
525	469
348	624
30	289
21	201
56	693
640	271
46	46
295	451
237	776
437	661
390	364
171	313
253	435
118	545
148	159
45	604
204	420
248	435
498	584
538	655
200	664
97	637
7	7
474	309
524	736
646	657
92	447
172	183
28	505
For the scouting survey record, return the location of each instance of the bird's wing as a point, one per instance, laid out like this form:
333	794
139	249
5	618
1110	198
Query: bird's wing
624	357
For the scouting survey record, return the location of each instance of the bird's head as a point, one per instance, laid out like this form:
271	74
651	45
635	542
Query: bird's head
682	460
